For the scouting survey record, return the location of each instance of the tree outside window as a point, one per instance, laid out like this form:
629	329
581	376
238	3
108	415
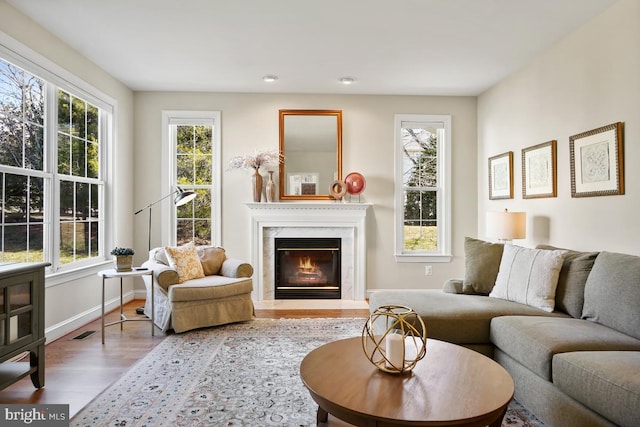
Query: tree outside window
194	171
22	218
420	180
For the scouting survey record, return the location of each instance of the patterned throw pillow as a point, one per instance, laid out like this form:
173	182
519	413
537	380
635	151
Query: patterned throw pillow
529	276
185	260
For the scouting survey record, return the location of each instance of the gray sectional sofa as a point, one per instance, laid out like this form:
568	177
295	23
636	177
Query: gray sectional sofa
578	365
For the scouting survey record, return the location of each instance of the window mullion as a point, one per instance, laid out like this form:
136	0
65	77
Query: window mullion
52	185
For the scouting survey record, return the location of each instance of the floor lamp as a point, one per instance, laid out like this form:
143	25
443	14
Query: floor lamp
182	197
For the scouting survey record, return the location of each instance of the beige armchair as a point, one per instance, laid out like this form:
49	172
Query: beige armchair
222	296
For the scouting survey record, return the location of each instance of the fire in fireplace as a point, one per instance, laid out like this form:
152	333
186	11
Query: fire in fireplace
307	268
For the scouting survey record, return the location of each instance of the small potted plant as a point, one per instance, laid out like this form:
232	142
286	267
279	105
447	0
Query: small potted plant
123	258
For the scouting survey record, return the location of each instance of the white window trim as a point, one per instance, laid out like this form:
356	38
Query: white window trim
444	196
167	216
33	62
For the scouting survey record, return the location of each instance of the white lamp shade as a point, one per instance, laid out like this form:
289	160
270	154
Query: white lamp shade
506	225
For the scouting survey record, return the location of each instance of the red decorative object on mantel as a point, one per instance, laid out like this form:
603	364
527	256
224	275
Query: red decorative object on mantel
355	183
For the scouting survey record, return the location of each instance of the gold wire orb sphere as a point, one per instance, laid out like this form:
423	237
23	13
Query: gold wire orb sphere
394	338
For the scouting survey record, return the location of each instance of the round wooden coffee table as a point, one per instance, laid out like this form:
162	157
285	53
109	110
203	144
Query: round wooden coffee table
451	386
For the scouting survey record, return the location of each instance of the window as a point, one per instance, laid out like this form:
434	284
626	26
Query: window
22	174
79	186
193	139
423	170
51	150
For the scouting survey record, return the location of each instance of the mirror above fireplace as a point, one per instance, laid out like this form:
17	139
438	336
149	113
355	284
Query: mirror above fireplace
311	143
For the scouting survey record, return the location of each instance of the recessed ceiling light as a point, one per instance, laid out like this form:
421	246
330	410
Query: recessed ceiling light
270	78
347	80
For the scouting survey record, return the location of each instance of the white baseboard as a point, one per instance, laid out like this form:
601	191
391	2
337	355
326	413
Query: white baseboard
140	294
69	325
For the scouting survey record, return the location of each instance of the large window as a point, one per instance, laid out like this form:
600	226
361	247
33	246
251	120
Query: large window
193	138
52	190
422	190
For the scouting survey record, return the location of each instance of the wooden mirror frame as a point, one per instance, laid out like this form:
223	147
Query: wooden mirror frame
282	167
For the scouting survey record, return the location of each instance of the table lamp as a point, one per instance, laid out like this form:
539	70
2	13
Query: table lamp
506	226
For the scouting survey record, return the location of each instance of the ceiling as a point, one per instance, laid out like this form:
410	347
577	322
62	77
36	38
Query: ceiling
404	47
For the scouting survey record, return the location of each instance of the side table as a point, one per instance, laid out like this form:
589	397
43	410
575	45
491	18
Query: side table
113	274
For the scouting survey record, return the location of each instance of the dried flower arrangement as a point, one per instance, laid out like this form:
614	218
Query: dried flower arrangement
255	161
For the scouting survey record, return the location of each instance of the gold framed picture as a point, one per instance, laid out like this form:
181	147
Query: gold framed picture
501	176
597	163
539	177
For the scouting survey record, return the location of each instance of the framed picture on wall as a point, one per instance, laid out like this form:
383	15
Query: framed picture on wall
539	171
501	176
597	163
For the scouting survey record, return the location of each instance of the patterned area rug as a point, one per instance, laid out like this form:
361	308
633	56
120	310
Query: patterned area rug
244	374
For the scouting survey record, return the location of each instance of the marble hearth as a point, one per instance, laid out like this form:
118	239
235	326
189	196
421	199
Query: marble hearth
309	219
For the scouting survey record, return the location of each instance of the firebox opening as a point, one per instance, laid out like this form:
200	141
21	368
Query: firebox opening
307	268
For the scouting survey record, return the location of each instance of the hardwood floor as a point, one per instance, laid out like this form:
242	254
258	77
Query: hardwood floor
78	370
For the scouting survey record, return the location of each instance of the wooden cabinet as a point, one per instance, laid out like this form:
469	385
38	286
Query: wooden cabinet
22	322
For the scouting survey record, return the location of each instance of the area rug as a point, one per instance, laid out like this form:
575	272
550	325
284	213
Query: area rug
245	374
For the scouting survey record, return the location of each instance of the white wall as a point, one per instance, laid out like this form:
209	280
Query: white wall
588	80
250	121
73	303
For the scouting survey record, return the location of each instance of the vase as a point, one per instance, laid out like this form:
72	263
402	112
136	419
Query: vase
123	262
256	179
271	188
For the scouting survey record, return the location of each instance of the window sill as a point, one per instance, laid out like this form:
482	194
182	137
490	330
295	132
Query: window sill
422	258
60	277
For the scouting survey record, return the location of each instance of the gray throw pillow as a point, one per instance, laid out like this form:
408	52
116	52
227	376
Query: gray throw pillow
612	293
481	265
573	276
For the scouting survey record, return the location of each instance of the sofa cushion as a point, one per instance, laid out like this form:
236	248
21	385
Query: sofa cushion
481	264
184	259
210	287
612	293
455	318
528	276
606	381
211	259
453	286
573	276
533	341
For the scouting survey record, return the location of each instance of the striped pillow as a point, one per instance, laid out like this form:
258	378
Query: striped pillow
529	276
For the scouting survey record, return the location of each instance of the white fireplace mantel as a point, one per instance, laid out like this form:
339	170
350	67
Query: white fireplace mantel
309	219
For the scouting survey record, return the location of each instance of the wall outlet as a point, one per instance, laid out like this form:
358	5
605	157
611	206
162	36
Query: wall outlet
428	271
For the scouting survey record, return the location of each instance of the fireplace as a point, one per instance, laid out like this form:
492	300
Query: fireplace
307	268
345	221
